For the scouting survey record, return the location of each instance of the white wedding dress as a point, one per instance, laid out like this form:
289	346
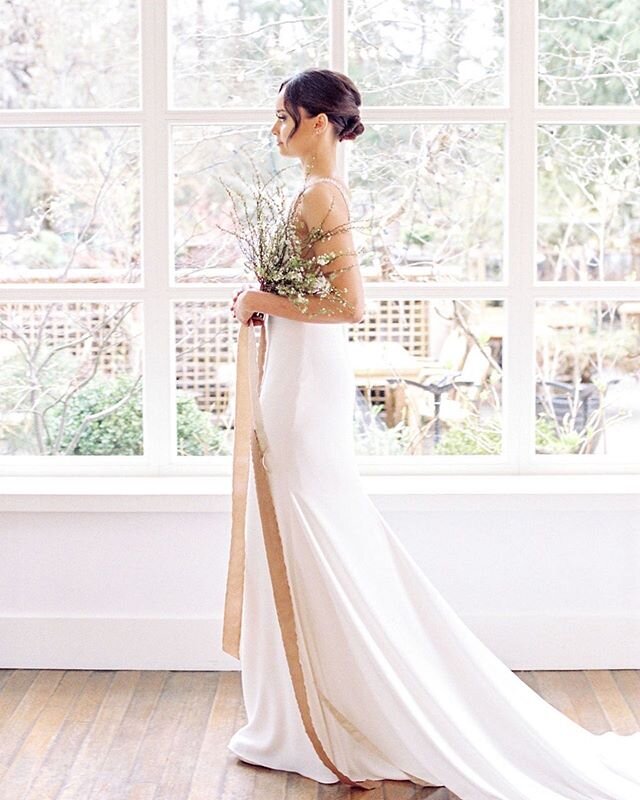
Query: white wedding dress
398	687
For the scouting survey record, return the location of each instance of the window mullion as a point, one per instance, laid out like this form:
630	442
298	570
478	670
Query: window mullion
338	60
156	241
519	351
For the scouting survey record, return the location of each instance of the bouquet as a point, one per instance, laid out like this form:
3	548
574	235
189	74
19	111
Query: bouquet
276	255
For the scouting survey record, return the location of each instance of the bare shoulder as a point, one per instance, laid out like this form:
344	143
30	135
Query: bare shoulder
323	201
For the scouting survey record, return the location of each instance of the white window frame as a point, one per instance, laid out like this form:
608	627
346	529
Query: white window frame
519	291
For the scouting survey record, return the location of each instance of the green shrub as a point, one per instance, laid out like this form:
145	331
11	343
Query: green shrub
472	436
374	439
549	442
120	432
196	433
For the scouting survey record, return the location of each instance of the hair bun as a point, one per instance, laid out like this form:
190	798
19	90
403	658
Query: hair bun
324	91
353	128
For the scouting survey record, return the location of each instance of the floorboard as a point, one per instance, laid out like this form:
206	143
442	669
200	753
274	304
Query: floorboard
162	735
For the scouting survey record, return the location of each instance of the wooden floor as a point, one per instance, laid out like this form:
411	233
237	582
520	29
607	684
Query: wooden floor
157	735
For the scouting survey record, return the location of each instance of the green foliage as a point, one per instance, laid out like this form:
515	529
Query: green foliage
118	433
550	440
197	435
25	395
472	436
374	439
419	234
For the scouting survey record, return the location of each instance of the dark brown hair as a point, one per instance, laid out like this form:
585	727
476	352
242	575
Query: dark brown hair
325	91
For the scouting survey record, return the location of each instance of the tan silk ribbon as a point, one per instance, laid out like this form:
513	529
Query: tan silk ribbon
249	436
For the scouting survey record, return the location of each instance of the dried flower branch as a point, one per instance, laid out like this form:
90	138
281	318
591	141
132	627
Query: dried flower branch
273	249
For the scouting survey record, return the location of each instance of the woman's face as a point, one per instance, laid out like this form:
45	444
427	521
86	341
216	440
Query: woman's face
303	138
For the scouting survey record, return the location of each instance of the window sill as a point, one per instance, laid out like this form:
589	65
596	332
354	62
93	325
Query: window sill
185	494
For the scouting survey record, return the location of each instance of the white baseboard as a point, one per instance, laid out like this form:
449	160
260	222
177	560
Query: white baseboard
522	641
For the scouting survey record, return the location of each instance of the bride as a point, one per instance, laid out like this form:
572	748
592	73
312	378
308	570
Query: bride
354	668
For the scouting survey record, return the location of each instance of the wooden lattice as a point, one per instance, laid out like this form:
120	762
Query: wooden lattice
401	320
206	335
205	355
205	339
88	331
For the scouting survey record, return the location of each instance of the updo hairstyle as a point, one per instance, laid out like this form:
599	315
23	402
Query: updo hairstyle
324	91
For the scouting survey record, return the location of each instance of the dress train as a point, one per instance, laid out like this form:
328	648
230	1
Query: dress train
397	686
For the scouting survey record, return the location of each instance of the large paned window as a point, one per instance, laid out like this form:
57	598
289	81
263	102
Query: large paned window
497	194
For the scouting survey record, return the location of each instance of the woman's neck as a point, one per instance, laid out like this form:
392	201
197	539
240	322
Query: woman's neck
321	165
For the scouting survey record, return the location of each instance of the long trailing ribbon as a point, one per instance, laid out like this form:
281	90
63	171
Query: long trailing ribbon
249	435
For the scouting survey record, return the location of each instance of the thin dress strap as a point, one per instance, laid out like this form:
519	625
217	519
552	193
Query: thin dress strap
319	180
337	183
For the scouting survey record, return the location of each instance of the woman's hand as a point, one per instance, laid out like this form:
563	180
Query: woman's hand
233	302
242	307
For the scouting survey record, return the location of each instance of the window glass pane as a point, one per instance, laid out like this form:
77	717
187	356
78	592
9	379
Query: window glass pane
427	52
589	52
433	199
588	203
72	205
237	54
451	350
588	378
69	54
206	336
427	200
71	379
429	377
203	156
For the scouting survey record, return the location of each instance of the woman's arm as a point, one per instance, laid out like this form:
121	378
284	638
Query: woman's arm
319	309
321	204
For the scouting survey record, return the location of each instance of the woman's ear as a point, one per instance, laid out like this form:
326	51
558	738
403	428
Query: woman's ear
322	120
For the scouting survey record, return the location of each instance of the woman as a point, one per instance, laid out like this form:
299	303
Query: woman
354	668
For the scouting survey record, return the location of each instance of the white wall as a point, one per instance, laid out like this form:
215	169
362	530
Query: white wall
548	581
